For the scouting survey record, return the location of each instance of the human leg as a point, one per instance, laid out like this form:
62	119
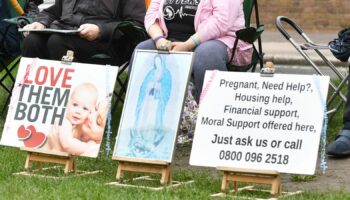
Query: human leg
147	44
59	44
34	45
209	55
341	146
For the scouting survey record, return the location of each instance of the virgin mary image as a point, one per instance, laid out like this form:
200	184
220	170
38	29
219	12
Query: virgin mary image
148	129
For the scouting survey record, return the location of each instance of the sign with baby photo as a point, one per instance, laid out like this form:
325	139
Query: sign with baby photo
153	106
59	107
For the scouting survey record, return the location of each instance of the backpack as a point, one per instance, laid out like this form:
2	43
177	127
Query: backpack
340	47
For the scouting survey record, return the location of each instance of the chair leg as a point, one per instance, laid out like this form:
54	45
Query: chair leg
6	104
122	83
8	89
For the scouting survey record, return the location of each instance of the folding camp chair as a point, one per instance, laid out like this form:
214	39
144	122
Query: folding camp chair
133	35
304	49
7	65
8	62
9	45
249	34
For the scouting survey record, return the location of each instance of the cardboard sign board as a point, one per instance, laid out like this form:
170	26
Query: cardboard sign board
57	107
153	105
262	123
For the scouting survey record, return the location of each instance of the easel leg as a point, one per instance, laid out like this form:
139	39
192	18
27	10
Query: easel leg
119	172
67	166
70	165
41	157
166	174
130	175
28	163
170	176
136	167
224	182
74	167
237	175
275	186
235	186
164	177
40	166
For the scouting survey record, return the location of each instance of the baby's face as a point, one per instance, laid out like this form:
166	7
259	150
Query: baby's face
80	106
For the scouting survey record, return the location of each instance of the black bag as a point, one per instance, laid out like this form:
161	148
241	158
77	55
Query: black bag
340	47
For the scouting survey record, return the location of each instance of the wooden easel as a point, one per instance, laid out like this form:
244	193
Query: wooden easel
43	156
143	166
252	176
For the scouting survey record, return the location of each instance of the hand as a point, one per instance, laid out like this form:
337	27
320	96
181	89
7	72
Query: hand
163	44
180	46
89	32
94	126
98	117
102	109
92	130
34	25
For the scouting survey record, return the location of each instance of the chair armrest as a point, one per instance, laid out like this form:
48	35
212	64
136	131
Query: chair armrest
250	34
135	33
20	21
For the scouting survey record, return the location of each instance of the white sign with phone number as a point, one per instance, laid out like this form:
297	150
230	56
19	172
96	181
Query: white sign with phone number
265	123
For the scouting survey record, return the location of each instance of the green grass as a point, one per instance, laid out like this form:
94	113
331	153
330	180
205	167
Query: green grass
207	181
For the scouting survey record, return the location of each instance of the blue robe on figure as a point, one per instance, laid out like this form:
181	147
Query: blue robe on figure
148	128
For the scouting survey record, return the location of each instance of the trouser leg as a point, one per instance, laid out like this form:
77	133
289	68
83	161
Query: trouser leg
209	55
59	44
34	45
54	46
147	44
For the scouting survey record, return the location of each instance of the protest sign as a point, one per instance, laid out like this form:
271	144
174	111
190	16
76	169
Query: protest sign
153	105
58	107
253	122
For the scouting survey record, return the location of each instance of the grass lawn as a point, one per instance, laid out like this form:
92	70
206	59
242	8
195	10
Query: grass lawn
206	181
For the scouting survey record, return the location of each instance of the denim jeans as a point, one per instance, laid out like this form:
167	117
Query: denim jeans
209	55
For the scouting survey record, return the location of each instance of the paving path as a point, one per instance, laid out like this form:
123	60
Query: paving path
336	178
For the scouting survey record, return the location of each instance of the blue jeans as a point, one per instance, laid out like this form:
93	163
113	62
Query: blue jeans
209	55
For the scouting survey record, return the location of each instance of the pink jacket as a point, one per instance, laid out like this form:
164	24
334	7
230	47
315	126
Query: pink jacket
214	19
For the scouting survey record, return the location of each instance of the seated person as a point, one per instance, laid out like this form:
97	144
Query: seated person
96	20
205	27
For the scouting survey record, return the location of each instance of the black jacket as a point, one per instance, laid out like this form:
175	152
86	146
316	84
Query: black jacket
106	14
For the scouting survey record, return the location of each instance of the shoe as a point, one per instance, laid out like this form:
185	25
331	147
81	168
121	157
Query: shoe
341	146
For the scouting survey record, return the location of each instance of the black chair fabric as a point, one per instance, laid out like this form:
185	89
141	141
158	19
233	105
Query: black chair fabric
249	34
